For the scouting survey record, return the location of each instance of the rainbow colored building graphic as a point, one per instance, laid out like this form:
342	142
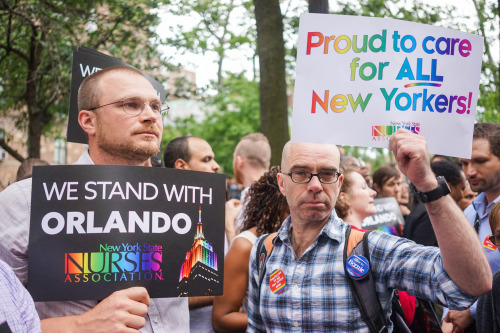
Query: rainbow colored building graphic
199	272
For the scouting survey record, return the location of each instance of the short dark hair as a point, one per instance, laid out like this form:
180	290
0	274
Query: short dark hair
177	148
494	217
384	173
490	132
449	170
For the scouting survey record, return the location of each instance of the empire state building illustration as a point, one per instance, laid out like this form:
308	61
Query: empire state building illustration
199	273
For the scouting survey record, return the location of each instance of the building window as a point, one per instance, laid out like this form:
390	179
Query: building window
60	151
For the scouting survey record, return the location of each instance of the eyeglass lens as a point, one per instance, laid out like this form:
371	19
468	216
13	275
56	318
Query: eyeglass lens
305	177
134	106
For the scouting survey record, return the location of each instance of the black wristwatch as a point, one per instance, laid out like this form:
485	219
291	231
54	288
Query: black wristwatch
441	190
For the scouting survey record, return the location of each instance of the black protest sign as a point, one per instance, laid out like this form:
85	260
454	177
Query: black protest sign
98	229
86	62
387	218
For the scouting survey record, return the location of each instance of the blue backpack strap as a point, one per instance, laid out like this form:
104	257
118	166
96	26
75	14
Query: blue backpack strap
363	287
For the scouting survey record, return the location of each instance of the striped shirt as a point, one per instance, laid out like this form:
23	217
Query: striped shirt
317	297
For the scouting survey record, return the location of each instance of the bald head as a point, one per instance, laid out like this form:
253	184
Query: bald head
311	202
292	148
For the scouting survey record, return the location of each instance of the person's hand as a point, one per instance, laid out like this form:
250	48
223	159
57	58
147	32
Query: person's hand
233	208
122	311
447	327
459	319
404	210
411	154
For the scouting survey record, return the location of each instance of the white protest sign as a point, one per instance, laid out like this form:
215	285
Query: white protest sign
359	79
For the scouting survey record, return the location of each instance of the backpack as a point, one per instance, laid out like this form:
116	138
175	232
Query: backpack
362	288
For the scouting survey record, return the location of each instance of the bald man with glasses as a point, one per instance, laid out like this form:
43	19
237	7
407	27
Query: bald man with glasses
122	118
307	257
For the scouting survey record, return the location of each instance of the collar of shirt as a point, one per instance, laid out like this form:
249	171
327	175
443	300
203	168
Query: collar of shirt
85	159
333	229
479	203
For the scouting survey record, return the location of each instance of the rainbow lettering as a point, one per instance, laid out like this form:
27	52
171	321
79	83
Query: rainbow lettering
122	262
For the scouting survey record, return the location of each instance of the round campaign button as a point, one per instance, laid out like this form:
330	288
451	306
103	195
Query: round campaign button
488	245
277	281
357	266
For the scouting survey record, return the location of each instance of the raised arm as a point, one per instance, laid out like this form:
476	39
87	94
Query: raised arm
122	311
463	258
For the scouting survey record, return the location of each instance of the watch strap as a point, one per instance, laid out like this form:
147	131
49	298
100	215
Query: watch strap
441	190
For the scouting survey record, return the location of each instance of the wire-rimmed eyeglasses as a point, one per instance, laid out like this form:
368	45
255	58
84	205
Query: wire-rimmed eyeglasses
303	177
135	106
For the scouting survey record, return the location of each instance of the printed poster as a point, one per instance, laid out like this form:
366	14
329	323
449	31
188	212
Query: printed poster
97	229
387	218
359	79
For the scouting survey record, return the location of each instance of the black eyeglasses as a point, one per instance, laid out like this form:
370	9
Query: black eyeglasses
495	239
135	106
325	177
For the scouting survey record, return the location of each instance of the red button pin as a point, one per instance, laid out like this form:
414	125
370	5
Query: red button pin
277	281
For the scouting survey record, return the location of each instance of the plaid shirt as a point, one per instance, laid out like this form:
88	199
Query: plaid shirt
16	305
317	295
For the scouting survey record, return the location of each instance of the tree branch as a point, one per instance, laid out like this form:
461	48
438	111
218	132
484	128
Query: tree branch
11	151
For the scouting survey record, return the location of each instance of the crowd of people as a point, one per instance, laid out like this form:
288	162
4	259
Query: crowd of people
446	255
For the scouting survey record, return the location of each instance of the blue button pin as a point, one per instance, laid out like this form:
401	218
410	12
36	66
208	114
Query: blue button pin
357	266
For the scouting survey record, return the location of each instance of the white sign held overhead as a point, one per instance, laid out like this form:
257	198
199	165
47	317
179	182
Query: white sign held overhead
359	79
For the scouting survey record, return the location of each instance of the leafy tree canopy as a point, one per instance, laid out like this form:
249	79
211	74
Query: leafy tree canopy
37	38
230	115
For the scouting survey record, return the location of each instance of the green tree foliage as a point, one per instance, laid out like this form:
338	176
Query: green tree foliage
37	38
216	28
488	21
230	115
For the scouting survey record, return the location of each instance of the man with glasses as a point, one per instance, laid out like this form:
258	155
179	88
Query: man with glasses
306	262
122	117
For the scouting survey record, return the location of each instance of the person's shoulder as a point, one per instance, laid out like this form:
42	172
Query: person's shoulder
7	275
16	190
241	244
20	185
385	240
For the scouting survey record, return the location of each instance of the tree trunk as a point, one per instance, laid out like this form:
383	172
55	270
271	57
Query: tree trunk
318	6
35	133
35	118
273	98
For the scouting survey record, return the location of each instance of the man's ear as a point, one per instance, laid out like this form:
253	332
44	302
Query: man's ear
87	121
181	164
343	197
281	183
240	162
340	181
